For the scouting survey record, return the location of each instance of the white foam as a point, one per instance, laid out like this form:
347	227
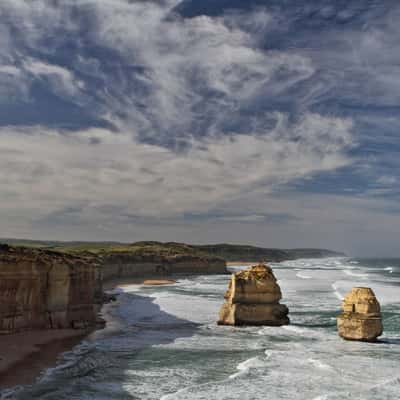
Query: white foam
350	273
390	269
303	332
245	366
319	364
173	395
128	288
336	292
303	276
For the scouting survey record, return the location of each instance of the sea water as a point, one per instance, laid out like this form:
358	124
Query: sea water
165	343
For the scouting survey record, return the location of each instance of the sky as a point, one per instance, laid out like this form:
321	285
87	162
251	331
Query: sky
272	123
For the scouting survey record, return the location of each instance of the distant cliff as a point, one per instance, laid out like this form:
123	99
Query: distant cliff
156	259
41	289
232	252
149	259
228	252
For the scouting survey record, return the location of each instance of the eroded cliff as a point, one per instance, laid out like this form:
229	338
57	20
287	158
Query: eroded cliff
131	265
41	289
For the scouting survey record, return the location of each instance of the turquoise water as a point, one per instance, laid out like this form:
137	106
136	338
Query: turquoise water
166	345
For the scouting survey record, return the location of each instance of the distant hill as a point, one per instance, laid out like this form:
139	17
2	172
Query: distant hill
228	252
231	252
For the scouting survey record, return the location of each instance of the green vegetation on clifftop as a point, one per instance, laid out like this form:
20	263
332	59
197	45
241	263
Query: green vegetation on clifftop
228	252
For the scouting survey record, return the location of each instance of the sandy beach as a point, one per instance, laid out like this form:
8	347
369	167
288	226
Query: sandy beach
24	355
114	283
241	263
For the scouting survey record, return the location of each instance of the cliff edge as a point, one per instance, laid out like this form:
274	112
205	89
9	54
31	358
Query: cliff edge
41	289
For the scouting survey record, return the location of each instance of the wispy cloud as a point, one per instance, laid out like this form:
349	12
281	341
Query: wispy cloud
203	112
98	167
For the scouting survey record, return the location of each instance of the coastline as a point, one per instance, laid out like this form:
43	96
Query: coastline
25	355
32	352
241	263
148	280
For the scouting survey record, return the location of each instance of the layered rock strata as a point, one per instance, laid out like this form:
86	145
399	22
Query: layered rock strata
253	299
127	265
47	290
361	317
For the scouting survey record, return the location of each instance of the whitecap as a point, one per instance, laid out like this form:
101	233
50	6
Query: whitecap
173	395
245	366
303	276
350	273
319	364
336	292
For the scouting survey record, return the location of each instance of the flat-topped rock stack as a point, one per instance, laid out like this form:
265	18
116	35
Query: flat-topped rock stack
253	299
361	317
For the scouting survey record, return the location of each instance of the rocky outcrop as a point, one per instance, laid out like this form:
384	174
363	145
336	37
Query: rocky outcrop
361	317
118	265
47	290
253	299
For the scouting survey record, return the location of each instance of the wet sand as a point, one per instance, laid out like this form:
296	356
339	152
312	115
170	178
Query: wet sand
112	284
24	355
240	263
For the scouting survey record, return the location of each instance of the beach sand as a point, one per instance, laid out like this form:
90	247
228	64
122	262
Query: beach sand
24	355
136	281
241	263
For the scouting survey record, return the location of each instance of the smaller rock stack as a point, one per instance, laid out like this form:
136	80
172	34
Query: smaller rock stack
253	299
361	317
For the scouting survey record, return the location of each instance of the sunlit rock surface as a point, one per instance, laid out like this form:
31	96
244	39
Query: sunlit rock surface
47	290
253	299
361	317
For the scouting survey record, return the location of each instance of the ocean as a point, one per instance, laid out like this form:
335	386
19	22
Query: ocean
164	343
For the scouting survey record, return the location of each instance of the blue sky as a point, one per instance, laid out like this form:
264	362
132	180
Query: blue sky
266	122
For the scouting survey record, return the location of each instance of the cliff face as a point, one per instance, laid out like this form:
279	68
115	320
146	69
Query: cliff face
361	317
253	299
43	289
128	265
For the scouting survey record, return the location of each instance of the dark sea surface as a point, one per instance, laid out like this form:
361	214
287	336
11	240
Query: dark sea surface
165	343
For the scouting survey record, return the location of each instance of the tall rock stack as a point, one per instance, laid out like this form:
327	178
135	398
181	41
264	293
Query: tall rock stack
253	299
361	317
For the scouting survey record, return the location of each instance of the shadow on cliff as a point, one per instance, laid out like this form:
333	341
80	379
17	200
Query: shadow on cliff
114	364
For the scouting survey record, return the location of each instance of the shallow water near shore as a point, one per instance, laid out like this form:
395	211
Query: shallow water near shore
165	343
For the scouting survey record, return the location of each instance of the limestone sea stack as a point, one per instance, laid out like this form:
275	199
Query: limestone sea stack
361	317
253	299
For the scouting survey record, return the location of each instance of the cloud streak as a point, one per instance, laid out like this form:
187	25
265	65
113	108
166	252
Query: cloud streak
186	116
48	170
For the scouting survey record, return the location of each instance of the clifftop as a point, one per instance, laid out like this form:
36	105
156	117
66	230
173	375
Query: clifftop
228	252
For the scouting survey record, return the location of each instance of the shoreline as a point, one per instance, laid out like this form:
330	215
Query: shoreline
148	280
24	356
241	263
